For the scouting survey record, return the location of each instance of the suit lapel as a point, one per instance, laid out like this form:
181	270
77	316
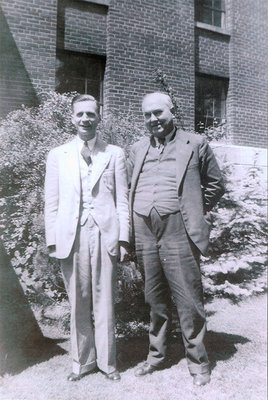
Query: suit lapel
101	159
72	164
139	162
183	155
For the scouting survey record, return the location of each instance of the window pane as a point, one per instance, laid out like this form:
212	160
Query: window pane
206	16
217	108
210	102
210	12
217	18
198	13
80	73
93	68
208	107
217	4
92	87
74	85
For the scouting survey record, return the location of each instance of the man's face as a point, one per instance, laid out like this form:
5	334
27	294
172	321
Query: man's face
85	118
159	119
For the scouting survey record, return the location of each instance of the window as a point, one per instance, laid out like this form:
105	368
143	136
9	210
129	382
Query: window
81	73
210	102
210	12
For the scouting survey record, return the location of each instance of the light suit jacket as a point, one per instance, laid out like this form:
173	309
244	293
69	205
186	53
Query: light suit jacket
198	178
63	196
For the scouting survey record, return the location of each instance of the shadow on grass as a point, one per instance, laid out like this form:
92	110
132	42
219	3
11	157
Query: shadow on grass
22	343
31	354
220	346
131	351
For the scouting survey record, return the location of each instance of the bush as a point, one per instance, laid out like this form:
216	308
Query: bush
236	263
236	266
26	137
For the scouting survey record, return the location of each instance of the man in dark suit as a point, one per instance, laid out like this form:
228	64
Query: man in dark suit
175	183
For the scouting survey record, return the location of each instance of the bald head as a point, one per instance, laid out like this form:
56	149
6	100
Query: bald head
158	112
160	97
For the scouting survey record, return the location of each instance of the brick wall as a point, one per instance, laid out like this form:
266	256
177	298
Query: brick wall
247	99
212	53
32	24
137	37
144	35
15	85
82	27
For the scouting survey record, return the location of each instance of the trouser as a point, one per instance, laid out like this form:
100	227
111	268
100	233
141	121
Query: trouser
171	266
89	276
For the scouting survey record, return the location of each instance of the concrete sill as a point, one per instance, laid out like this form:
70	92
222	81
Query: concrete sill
101	2
212	28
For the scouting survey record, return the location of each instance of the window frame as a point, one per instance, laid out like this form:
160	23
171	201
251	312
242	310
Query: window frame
102	61
213	9
223	103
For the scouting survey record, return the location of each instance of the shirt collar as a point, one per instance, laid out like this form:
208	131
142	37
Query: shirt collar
167	138
91	143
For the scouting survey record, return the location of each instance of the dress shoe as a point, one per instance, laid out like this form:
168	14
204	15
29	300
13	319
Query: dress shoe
201	379
76	377
145	369
113	376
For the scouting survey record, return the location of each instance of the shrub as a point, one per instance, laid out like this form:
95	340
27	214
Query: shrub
236	266
122	130
26	137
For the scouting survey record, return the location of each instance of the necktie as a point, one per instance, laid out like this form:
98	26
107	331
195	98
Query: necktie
85	152
161	145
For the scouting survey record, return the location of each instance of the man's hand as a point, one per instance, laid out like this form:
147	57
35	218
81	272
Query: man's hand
51	250
123	250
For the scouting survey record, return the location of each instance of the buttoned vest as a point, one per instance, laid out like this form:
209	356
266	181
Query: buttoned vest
86	197
156	186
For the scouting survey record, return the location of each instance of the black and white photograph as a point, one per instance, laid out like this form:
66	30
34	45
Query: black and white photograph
133	199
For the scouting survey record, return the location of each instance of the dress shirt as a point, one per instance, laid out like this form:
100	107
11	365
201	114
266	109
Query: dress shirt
167	138
85	175
90	143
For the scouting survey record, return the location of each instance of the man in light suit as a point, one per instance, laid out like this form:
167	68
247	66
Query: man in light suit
87	223
175	183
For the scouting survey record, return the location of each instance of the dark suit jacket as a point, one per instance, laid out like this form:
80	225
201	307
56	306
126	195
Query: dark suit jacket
199	182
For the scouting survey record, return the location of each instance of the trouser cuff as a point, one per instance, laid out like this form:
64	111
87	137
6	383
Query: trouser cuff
107	369
199	369
154	362
82	369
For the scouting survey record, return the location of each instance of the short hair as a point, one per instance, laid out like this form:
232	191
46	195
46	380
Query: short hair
166	98
85	97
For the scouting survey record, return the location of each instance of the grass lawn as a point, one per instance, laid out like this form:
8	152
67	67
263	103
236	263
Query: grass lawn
236	343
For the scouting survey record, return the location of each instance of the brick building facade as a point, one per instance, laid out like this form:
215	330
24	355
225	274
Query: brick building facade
213	52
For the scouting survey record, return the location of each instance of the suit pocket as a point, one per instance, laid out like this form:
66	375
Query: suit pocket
108	180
